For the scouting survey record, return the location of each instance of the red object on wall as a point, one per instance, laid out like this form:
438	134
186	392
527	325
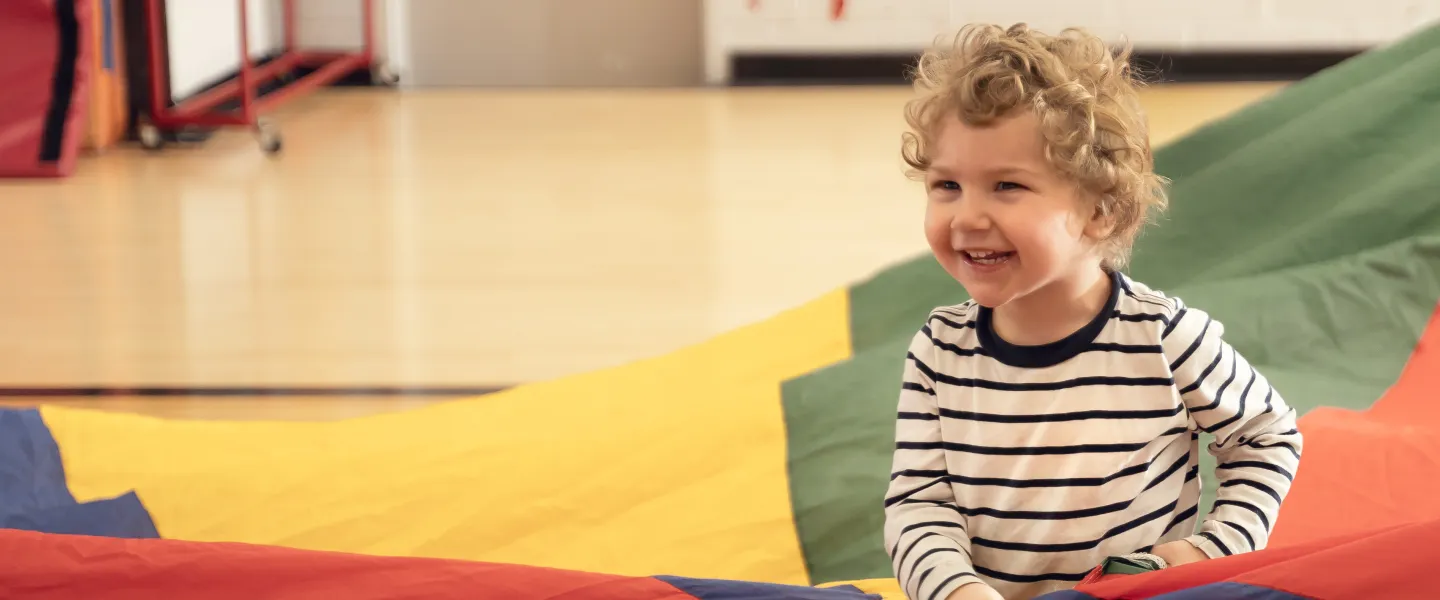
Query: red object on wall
837	8
45	77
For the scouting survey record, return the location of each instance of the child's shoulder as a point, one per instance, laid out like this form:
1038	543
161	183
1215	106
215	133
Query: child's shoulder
1174	321
951	326
1134	297
953	318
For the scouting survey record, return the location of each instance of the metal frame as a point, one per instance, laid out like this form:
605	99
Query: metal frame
200	109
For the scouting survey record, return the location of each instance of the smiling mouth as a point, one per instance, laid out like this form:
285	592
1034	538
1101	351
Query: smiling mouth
986	257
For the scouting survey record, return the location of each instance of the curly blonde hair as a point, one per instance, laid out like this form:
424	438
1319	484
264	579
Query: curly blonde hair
1086	100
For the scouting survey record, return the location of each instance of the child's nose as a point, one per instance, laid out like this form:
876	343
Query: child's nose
969	216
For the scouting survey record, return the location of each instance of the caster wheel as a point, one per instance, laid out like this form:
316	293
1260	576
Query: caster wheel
151	138
382	75
269	138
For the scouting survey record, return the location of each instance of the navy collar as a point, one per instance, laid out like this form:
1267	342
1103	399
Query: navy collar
1054	353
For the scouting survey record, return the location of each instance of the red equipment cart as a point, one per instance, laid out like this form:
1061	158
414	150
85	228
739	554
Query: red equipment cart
203	109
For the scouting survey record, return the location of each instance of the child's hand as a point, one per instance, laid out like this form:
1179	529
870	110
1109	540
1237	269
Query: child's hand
1179	552
975	591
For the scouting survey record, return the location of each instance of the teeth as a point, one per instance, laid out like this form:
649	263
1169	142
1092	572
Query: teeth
987	257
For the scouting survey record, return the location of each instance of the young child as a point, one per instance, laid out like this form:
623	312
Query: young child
1052	420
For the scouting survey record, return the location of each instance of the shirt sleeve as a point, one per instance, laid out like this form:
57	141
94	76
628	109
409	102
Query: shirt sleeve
1257	446
924	528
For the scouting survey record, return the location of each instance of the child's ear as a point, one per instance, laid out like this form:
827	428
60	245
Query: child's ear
1101	223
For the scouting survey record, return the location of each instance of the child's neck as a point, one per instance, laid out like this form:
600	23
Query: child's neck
1051	313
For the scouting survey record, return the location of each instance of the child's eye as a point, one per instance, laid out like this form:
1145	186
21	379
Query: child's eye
946	185
1008	185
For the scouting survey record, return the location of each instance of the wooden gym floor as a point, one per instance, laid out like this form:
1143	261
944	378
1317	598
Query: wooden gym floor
413	246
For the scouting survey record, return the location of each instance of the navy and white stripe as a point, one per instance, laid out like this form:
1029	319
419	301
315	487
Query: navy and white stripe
1024	467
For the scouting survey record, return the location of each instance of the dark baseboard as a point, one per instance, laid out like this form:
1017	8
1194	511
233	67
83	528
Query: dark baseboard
826	69
357	78
1167	67
1183	67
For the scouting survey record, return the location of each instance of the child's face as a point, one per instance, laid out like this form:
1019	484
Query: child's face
1000	219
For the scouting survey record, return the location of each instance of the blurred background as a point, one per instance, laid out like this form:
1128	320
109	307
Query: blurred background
402	203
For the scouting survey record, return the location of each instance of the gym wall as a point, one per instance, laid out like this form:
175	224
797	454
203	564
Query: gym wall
684	42
880	27
556	42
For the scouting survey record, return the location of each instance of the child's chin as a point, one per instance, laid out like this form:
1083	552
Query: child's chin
988	298
990	292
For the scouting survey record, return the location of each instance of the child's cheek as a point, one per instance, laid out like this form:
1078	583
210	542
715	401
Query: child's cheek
937	233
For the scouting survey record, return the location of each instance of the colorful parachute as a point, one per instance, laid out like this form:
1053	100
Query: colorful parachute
1367	565
754	464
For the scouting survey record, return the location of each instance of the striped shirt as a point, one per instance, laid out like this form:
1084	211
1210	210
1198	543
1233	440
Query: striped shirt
1026	466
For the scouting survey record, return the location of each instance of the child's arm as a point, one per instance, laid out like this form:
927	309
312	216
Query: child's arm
924	530
1257	447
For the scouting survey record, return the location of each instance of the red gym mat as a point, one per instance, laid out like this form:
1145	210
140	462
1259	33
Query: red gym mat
46	77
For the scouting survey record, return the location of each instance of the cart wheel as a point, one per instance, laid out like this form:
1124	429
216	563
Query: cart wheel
382	75
150	136
269	138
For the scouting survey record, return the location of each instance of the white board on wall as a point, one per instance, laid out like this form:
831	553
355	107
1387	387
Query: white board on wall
204	35
888	26
204	39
